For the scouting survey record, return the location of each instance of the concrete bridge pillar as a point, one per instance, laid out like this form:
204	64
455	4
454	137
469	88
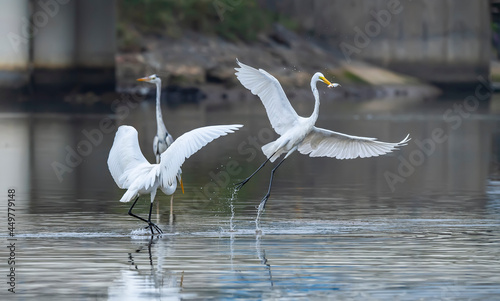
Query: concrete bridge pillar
54	45
444	42
14	46
57	45
96	43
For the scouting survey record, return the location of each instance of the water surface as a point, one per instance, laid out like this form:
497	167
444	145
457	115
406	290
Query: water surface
366	229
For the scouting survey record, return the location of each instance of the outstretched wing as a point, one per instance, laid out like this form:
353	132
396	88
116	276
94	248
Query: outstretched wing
125	155
325	143
188	144
268	88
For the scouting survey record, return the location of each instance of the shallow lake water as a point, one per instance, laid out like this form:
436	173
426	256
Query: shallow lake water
422	223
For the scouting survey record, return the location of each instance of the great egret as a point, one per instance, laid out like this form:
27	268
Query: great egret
133	172
163	139
299	133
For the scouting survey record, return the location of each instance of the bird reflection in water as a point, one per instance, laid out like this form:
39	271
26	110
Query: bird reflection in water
261	253
139	281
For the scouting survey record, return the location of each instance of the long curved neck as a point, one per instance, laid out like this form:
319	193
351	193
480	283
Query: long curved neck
315	113
159	117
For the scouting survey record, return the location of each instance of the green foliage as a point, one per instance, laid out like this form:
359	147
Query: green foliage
128	39
353	77
231	19
244	22
495	77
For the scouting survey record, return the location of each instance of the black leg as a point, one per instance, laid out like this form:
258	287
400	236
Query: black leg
149	251
151	225
240	184
149	219
266	197
131	214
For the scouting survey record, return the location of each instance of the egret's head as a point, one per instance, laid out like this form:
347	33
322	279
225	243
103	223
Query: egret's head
319	77
150	79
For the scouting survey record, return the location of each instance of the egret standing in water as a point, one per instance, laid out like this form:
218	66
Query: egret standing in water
163	139
299	133
133	172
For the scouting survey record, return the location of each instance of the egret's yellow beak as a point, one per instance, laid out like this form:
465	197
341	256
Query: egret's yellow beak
182	186
330	85
325	81
143	79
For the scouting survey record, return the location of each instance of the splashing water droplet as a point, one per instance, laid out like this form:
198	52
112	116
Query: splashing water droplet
260	210
231	205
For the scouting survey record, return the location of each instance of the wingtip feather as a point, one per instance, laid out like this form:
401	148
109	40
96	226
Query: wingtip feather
405	141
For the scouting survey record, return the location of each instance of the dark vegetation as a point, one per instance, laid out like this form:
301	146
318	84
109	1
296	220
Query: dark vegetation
233	20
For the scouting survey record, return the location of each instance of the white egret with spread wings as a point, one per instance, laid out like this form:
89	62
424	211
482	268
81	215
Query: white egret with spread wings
299	133
133	172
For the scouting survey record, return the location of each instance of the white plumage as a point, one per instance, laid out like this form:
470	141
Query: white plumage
133	172
188	144
325	143
279	110
299	133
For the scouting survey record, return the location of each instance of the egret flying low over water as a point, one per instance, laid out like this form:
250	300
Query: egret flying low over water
163	139
133	172
299	133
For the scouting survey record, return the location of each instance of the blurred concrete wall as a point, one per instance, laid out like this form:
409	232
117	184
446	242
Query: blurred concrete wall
442	41
56	45
14	50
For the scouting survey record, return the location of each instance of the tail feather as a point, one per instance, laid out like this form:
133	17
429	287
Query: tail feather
270	149
266	149
128	196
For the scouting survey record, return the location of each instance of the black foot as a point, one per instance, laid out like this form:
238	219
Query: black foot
262	204
238	186
154	226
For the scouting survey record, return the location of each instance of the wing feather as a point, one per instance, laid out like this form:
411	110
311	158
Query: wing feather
125	155
325	143
188	144
279	110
